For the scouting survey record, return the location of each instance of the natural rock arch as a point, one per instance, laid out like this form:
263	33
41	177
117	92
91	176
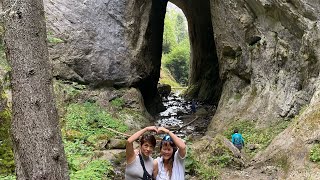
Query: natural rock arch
119	44
205	83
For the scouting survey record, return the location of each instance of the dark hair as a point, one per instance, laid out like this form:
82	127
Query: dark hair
236	131
148	138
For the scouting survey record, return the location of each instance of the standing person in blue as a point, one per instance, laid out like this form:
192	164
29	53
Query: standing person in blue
137	159
237	140
170	165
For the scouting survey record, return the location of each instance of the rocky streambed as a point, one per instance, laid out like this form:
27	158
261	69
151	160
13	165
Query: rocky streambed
177	117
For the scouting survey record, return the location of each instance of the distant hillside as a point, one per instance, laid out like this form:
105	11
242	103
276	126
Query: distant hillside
167	78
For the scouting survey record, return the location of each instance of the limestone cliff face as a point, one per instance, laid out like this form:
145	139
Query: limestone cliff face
263	54
104	42
268	55
114	43
204	81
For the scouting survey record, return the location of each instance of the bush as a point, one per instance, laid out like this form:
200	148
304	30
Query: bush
95	170
204	170
315	153
177	62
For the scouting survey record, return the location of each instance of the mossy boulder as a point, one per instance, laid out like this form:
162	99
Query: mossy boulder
71	135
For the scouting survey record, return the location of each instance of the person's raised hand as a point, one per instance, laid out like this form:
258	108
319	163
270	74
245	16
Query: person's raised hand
152	128
162	130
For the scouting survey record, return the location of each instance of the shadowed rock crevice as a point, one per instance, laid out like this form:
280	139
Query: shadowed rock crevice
204	81
154	36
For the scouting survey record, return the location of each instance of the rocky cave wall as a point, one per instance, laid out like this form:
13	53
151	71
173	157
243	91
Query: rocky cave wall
269	58
107	43
260	58
119	44
204	81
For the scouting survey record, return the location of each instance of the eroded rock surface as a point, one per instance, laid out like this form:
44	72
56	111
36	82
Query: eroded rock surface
268	55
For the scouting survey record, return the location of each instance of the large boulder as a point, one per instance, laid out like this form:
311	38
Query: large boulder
101	43
164	90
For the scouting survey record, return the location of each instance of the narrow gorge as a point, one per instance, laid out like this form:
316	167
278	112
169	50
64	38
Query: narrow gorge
256	61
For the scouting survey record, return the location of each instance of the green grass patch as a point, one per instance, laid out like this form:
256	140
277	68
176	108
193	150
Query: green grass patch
167	78
95	170
68	89
9	177
253	135
85	125
196	167
90	119
207	157
315	153
118	103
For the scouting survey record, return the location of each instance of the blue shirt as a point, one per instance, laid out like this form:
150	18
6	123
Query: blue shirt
237	139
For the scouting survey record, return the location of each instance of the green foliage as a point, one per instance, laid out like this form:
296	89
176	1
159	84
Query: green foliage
89	119
178	63
253	135
68	89
237	96
53	40
78	154
166	78
315	153
118	103
86	123
191	163
181	28
207	172
169	35
222	160
9	177
3	61
95	170
6	153
203	170
176	46
80	162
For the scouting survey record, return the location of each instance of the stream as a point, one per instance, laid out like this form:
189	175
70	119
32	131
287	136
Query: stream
179	119
178	114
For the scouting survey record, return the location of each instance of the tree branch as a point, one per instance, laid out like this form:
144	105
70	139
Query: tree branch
188	123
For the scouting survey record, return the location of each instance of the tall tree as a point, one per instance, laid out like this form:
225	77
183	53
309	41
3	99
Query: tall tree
169	36
37	143
181	28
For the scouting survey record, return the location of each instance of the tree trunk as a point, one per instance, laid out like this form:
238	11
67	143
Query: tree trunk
37	143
